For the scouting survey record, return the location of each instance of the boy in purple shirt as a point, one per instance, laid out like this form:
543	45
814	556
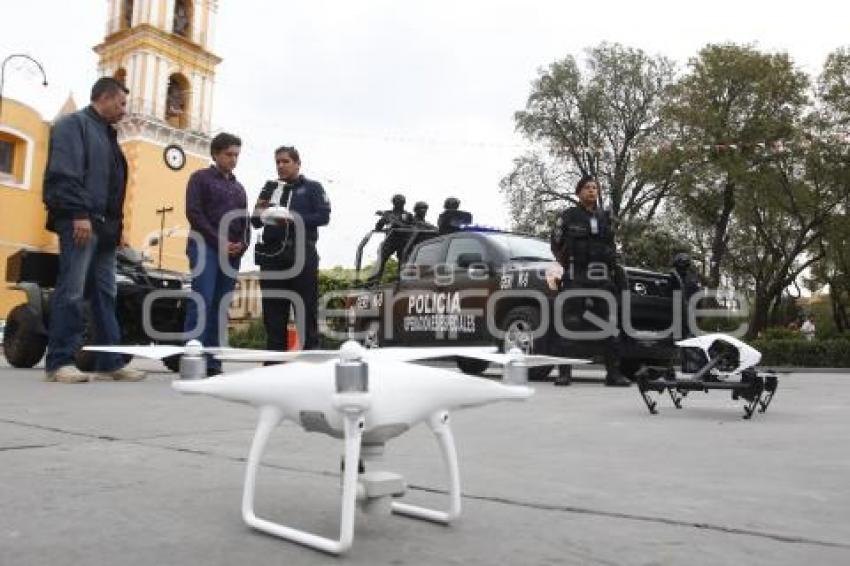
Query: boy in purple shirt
213	196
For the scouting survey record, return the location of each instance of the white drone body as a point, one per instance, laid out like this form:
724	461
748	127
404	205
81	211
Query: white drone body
274	214
747	356
364	397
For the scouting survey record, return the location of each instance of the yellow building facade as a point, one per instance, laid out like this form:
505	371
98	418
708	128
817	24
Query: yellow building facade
24	137
161	51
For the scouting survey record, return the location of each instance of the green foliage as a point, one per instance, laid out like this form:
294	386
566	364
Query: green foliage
795	352
780	333
253	336
647	245
834	84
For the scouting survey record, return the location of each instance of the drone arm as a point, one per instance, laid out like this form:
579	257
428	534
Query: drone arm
270	417
439	425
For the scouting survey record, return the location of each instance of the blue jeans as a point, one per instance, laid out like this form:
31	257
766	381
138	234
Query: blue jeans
212	284
86	273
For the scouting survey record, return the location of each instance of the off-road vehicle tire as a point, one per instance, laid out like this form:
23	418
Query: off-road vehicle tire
23	345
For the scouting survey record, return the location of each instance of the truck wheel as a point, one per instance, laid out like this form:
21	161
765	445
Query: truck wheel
22	344
518	325
472	366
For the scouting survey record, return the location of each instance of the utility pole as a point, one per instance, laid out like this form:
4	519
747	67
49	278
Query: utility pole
162	212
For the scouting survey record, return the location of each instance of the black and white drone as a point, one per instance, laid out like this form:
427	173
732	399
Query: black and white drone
725	363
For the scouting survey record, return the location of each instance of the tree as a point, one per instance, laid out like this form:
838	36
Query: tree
830	120
595	123
789	205
733	103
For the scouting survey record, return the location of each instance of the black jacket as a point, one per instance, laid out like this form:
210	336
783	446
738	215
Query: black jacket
582	237
307	198
86	173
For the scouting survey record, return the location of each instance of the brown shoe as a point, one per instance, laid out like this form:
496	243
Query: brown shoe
121	374
67	374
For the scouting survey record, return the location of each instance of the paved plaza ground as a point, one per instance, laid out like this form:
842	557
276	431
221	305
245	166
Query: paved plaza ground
136	474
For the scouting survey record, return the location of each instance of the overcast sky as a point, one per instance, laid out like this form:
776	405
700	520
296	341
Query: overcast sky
416	96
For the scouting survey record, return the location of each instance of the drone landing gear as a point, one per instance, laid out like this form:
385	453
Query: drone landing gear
375	488
270	417
439	425
756	389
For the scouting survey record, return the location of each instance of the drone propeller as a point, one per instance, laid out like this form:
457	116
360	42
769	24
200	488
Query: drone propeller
158	352
515	355
397	354
403	354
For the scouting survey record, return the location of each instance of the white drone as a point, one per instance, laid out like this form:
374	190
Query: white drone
365	397
723	358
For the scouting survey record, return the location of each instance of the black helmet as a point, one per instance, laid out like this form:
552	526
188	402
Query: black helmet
451	203
681	260
421	205
399	200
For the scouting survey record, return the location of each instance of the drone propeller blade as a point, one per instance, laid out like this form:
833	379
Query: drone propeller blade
150	352
158	352
315	356
412	354
533	360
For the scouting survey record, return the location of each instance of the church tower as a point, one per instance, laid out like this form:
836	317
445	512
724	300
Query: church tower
162	51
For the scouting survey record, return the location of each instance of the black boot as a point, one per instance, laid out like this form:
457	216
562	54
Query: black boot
613	376
565	376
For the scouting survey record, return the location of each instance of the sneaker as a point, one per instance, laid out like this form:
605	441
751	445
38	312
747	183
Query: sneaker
121	374
67	374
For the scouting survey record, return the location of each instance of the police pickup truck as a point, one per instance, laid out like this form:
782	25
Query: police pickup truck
487	287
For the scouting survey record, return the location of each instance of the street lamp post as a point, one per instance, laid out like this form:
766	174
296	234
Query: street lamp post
162	212
3	72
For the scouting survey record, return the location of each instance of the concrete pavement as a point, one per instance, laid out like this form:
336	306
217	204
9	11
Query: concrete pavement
133	473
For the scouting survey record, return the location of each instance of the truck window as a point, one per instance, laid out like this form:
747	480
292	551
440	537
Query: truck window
428	255
463	246
524	248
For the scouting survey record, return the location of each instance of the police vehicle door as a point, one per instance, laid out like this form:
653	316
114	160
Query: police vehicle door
468	280
416	301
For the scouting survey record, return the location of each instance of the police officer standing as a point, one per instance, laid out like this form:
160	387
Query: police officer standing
400	223
583	243
293	194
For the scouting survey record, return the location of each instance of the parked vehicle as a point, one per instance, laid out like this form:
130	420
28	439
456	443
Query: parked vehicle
34	273
444	295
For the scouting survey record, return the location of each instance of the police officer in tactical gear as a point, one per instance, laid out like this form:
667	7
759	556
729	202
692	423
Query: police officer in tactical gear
583	243
420	209
451	219
689	284
399	223
422	229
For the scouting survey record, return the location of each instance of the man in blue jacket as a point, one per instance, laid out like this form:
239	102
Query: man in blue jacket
84	185
275	252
